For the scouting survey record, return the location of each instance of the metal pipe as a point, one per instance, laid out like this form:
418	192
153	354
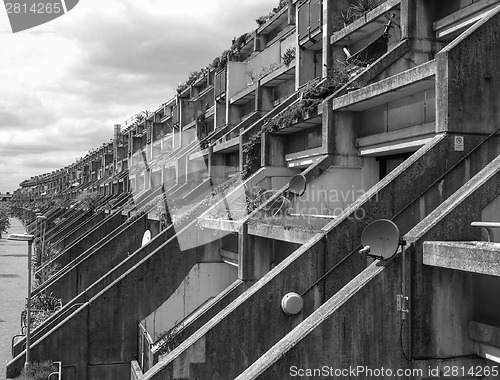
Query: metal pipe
28	306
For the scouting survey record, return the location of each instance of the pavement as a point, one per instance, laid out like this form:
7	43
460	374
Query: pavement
13	286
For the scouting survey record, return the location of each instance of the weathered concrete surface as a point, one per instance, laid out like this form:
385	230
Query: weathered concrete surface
79	230
476	257
481	332
96	287
111	332
300	272
99	232
95	262
468	78
60	231
443	299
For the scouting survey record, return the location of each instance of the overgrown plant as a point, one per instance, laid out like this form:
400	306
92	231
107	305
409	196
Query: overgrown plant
347	16
42	307
45	274
89	200
37	371
354	11
288	56
313	94
4	218
263	19
171	339
362	7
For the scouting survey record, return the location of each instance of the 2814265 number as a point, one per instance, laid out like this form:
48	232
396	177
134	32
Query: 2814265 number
48	8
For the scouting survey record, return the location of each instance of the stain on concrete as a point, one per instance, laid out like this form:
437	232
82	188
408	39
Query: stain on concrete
9	276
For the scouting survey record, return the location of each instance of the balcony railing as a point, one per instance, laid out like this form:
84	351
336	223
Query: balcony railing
310	18
220	84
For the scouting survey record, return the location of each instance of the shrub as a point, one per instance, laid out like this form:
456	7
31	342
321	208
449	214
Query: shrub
37	371
289	56
4	218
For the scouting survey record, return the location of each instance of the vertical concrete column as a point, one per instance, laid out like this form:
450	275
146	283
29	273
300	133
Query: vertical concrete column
273	150
264	98
255	255
304	69
259	42
216	166
292	13
338	134
245	255
331	23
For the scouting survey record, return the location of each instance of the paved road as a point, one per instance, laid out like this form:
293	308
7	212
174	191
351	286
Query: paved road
13	281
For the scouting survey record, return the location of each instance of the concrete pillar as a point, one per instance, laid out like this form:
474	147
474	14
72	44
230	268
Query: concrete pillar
216	166
273	150
256	255
331	23
304	70
264	98
245	259
338	134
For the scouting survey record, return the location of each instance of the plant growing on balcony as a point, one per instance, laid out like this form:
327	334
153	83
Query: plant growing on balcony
43	306
263	19
313	94
347	16
289	56
171	339
362	7
220	62
4	218
89	201
46	273
357	10
37	371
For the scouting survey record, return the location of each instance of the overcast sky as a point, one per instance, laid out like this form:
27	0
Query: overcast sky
64	84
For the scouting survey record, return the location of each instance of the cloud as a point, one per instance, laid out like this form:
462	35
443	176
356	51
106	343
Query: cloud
66	83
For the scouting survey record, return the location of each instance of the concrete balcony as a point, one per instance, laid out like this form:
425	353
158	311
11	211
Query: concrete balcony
474	256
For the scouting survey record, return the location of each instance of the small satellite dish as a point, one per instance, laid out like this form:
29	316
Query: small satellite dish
292	303
380	239
297	184
146	238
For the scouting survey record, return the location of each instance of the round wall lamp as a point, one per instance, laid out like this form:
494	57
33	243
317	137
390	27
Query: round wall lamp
292	303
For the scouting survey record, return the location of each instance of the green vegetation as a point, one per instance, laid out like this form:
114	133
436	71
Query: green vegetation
89	200
37	371
357	10
313	94
261	20
4	217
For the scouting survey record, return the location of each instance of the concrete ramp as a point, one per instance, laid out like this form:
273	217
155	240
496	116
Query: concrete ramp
307	272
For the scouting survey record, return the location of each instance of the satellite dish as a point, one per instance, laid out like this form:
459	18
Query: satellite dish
380	239
297	184
146	238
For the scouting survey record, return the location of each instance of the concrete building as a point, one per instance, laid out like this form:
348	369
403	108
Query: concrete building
224	241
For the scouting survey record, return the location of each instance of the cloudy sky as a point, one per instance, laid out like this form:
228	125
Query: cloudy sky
64	84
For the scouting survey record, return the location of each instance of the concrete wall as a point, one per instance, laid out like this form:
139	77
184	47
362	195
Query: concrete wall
439	330
99	232
491	213
95	262
77	232
468	77
62	230
299	272
99	285
272	55
111	332
331	193
204	281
